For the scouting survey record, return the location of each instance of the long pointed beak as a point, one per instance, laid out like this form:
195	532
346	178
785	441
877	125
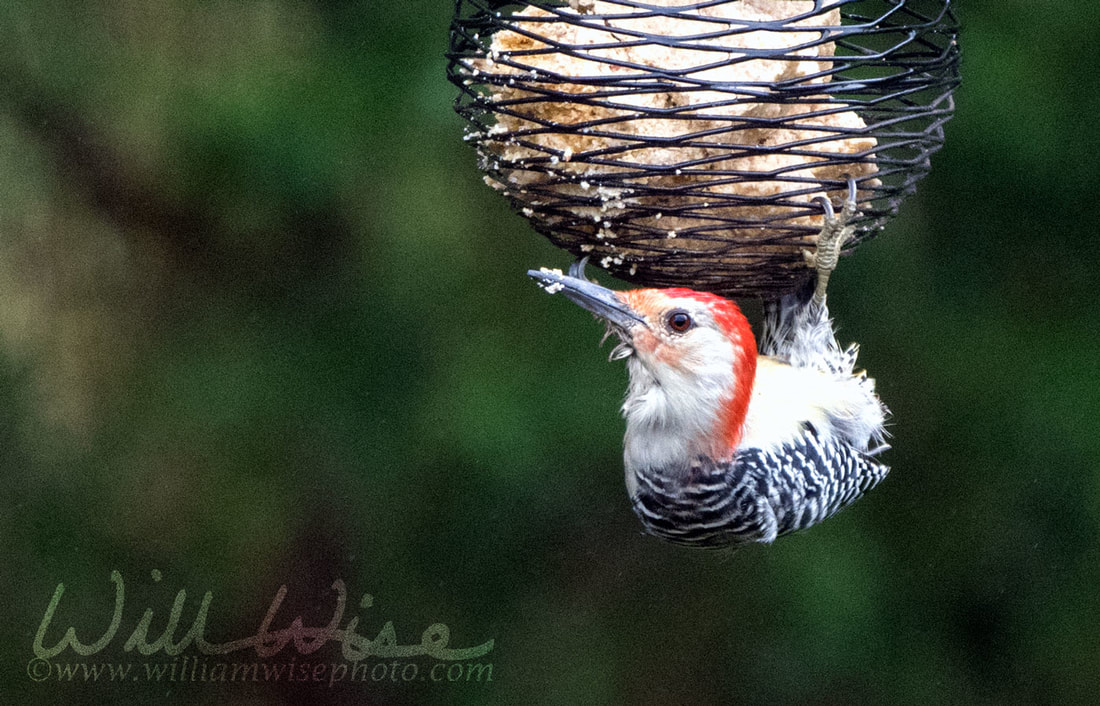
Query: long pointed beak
601	301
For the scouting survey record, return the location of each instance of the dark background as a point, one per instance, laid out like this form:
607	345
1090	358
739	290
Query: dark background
261	323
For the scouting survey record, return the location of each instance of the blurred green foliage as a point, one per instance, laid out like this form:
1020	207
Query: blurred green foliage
263	324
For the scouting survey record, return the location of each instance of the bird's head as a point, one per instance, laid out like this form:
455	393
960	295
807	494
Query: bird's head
691	357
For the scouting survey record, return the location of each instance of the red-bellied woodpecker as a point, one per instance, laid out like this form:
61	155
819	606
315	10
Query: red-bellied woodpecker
726	446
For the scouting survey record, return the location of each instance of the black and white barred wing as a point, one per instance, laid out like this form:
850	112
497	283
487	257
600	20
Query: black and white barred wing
762	495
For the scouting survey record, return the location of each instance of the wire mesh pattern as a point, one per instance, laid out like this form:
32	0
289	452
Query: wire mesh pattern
683	143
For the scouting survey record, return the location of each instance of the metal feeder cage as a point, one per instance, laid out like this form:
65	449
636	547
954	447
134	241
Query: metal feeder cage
681	143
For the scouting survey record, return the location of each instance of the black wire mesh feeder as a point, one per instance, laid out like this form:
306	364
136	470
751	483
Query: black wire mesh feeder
683	143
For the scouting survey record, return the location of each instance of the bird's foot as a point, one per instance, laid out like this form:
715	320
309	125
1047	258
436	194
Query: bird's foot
835	232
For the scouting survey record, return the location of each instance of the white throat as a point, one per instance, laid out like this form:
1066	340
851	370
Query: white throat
672	414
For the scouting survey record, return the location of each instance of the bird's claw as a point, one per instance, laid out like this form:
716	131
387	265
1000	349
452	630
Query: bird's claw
835	232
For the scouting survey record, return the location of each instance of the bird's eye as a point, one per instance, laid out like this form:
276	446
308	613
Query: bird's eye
679	320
